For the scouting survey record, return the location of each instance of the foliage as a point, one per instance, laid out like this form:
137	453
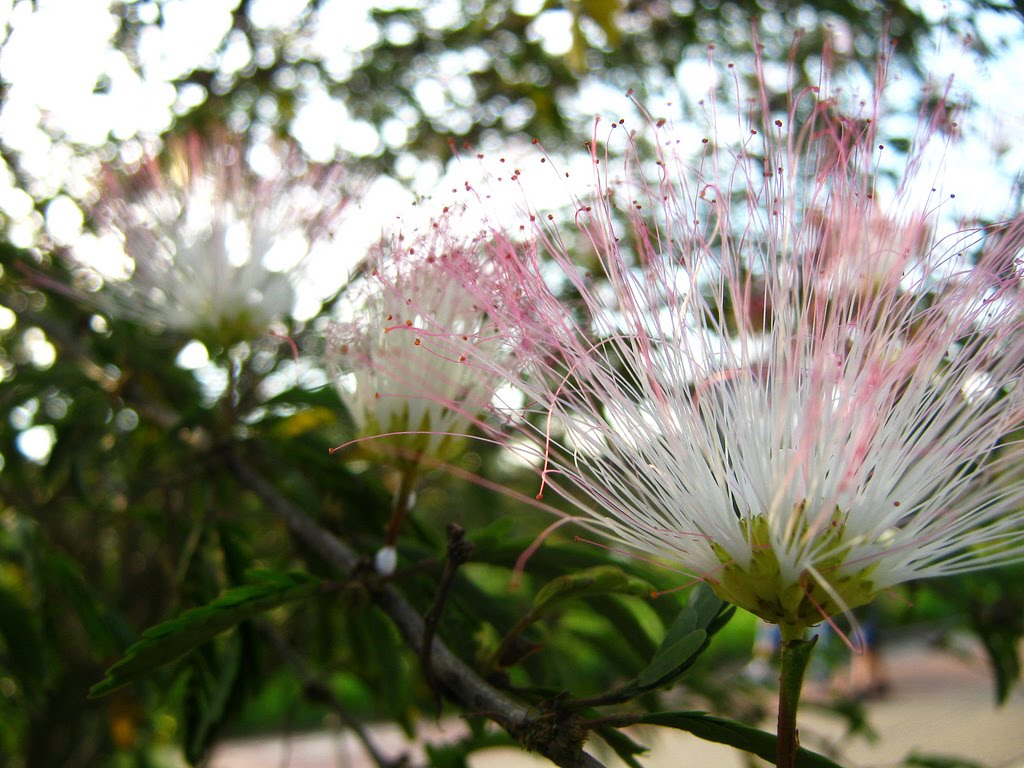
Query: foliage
499	68
992	606
734	734
416	79
169	641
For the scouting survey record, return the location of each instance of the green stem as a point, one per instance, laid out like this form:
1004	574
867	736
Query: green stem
796	653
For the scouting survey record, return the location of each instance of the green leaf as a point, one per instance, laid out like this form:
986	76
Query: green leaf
213	677
734	734
1002	644
940	761
590	582
624	746
670	661
455	754
712	612
598	580
685	640
306	420
324	397
64	576
236	549
617	610
704	611
168	641
382	664
24	644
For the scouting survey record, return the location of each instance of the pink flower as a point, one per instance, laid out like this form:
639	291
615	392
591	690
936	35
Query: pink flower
768	378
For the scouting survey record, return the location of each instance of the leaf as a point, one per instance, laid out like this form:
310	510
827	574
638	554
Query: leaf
616	610
712	612
685	640
1001	644
698	614
324	397
589	582
168	641
598	580
304	421
454	754
213	678
670	661
24	644
235	547
64	576
219	677
939	761
734	734
381	663
623	746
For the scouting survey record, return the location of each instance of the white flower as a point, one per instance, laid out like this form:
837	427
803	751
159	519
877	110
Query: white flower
407	362
802	400
215	246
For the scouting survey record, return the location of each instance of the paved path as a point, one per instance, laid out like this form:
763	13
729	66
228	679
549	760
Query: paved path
939	704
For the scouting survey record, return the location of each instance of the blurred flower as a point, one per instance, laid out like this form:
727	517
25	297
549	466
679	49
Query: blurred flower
215	246
769	380
406	363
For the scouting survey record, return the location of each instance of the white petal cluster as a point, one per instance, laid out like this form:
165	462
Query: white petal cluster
215	247
407	361
802	398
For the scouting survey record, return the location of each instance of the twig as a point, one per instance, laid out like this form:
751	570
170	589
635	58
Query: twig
317	691
533	728
459	551
303	527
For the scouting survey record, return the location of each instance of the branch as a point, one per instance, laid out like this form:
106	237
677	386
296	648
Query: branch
316	690
459	551
532	727
303	527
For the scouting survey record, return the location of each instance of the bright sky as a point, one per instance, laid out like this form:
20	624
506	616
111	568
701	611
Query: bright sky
57	54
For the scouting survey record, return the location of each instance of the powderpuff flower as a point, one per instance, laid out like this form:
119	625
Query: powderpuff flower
406	361
215	247
765	377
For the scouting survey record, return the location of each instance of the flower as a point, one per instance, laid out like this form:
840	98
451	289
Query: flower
768	378
406	362
216	247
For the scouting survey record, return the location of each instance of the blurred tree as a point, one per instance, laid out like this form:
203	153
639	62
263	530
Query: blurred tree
390	83
424	72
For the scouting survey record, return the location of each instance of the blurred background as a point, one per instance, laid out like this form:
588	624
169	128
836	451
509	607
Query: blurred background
117	506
